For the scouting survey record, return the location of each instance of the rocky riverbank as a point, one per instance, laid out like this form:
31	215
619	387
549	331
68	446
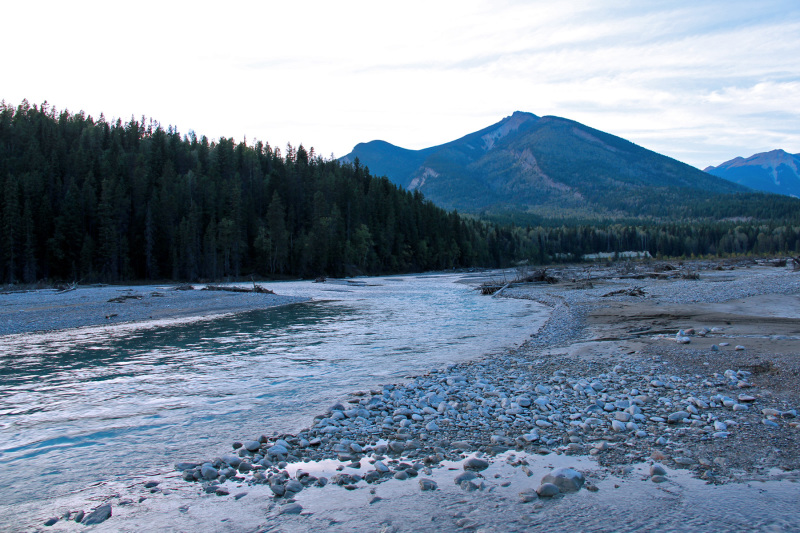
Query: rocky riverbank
683	383
53	309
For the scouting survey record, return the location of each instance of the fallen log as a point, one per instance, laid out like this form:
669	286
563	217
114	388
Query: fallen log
256	289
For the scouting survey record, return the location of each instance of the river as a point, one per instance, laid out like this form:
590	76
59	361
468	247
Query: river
88	408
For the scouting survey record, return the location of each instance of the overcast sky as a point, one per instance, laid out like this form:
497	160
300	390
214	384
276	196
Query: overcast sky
700	81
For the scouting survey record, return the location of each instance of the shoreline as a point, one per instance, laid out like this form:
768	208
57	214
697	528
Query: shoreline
539	400
49	310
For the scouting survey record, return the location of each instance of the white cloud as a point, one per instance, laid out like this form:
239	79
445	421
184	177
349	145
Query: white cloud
678	77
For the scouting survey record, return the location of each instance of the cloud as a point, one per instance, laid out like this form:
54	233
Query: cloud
682	77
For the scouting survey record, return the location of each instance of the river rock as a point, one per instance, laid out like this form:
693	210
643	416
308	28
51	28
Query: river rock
293	486
566	479
528	495
277	449
466	476
476	464
658	470
101	514
291	508
51	521
678	416
428	484
252	445
548	490
277	488
208	471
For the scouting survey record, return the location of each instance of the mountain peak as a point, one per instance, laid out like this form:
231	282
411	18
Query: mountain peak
506	126
775	171
549	165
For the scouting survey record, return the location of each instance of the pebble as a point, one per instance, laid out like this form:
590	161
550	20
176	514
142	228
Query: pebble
428	484
548	490
658	470
566	479
101	514
476	464
291	508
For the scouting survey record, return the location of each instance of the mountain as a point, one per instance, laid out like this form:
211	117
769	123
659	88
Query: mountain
548	166
776	172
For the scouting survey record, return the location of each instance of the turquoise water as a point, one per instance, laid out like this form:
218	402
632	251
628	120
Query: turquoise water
93	406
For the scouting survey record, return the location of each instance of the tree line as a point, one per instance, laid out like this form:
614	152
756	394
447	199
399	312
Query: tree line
92	200
85	199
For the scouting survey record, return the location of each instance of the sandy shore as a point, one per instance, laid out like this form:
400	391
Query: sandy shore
603	388
49	309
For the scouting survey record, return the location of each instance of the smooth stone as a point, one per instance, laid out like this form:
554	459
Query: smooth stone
658	470
186	466
380	467
476	464
79	516
616	425
291	508
622	416
658	479
101	514
678	416
428	484
566	479
51	521
714	348
293	486
466	476
277	449
252	446
401	475
548	490
739	348
431	426
209	472
528	495
278	489
221	491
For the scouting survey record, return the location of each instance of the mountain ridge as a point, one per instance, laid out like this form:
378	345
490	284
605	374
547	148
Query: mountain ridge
542	165
776	171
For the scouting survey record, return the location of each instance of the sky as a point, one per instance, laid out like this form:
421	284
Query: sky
700	81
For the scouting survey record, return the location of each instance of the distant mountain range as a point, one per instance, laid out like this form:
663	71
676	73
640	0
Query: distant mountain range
545	166
776	172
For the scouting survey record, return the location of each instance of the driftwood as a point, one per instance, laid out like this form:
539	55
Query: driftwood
60	289
635	291
124	297
538	276
256	288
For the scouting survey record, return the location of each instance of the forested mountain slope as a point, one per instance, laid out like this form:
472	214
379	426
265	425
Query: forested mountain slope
556	168
776	171
85	199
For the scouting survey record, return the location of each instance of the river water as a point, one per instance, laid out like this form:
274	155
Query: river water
95	406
